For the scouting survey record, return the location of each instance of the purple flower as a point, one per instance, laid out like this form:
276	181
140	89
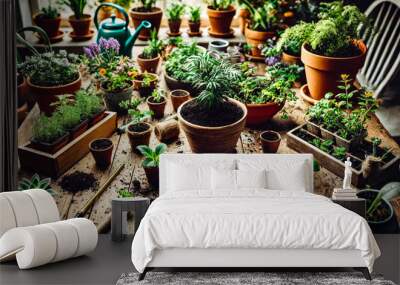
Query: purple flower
272	60
92	51
110	44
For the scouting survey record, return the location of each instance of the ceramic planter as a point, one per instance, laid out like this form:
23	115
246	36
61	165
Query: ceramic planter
258	114
52	147
323	73
80	26
220	21
154	17
257	38
141	137
113	99
194	27
46	95
178	97
270	141
148	65
221	139
174	27
218	45
152	174
157	108
50	26
313	128
78	130
101	150
145	91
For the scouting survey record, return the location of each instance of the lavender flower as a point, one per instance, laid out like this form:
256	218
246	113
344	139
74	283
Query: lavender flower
272	60
92	51
110	44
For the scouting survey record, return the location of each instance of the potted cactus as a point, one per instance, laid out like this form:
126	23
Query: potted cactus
151	162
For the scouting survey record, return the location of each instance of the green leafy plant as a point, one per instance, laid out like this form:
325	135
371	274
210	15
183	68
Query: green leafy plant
77	6
152	157
280	71
293	38
175	11
324	145
68	114
158	96
154	47
387	192
339	152
145	78
264	17
49	11
219	4
134	112
194	14
146	5
117	82
35	182
89	103
123	3
125	193
47	129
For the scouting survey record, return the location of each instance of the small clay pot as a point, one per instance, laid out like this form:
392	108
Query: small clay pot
50	26
291	59
220	20
152	174
101	150
157	108
178	97
145	91
257	38
80	26
194	27
174	26
141	137
154	17
258	114
148	65
52	147
270	141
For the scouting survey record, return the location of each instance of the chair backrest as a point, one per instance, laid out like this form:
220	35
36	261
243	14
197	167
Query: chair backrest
296	169
383	56
26	208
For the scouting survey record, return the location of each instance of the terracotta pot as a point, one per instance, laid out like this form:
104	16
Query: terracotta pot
80	26
51	147
145	91
78	130
270	141
174	26
152	174
50	26
194	27
46	95
113	99
220	21
258	114
256	38
213	139
174	84
148	65
243	19
178	97
97	117
154	17
323	73
291	59
157	108
101	150
139	138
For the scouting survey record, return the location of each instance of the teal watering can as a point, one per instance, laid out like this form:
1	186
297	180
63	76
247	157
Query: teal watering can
118	29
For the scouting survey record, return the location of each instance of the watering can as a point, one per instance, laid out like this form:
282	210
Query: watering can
118	29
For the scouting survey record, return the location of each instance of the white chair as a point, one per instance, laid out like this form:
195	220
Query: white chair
31	231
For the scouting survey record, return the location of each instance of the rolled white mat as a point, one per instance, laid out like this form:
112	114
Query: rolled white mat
7	218
87	235
45	205
23	208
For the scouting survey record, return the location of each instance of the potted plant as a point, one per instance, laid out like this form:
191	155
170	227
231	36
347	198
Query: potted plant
292	72
48	134
270	141
101	150
139	132
380	213
194	21
146	11
157	102
80	22
262	24
333	47
145	83
149	59
151	162
212	121
49	20
49	75
220	15
91	105
174	15
178	96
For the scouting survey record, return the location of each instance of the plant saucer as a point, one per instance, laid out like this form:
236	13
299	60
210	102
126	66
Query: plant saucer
230	34
174	34
305	95
81	38
55	39
198	34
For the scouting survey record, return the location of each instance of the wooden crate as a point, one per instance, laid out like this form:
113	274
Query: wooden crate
388	170
54	165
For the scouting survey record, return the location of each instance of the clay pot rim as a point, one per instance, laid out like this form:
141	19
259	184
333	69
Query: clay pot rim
291	55
231	9
30	84
139	81
359	43
143	132
154	103
268	104
187	93
279	137
114	92
84	18
265	34
155	11
195	126
148	59
103	149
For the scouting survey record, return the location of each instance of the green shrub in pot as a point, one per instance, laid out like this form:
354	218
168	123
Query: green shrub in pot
49	19
174	13
194	19
151	162
149	59
79	21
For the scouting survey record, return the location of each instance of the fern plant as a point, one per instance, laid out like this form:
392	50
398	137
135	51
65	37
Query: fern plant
293	38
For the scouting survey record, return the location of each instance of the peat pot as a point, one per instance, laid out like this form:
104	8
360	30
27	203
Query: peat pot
179	96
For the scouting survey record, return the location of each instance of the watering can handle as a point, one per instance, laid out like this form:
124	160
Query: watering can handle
119	8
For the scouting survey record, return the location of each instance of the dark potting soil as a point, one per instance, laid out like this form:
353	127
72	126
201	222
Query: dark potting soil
101	144
224	114
78	181
138	127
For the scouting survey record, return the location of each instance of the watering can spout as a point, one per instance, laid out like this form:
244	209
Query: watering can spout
131	40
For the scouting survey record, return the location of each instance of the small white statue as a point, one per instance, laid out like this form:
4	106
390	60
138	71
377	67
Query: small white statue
347	174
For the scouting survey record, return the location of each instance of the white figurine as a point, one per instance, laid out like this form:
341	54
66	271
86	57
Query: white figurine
347	174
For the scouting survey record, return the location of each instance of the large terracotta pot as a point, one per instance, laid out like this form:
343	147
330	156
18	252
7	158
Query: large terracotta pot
220	21
256	38
113	99
154	17
50	26
258	114
213	139
291	59
323	72
148	65
81	26
137	138
46	95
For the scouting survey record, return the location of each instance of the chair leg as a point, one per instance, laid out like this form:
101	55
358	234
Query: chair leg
365	272
142	275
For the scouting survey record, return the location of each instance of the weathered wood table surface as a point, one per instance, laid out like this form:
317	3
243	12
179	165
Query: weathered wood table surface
69	204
